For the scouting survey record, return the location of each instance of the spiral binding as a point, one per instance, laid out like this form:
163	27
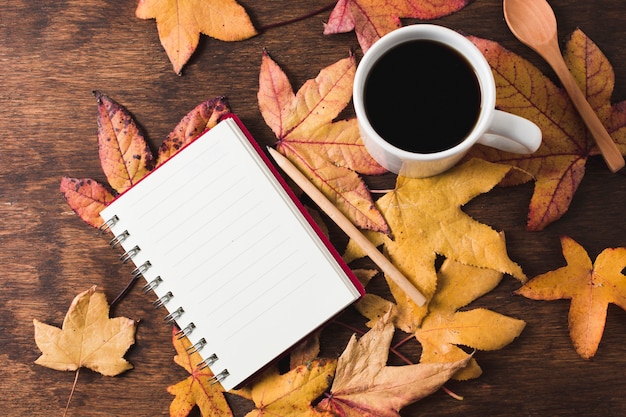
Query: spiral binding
141	269
197	347
130	254
152	284
163	300
104	227
219	377
207	362
186	331
174	315
117	240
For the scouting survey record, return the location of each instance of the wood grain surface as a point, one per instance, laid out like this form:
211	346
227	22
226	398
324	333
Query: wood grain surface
54	54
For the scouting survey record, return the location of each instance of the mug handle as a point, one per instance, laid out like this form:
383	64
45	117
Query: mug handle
512	133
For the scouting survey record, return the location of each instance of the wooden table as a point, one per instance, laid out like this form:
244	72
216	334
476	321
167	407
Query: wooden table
53	54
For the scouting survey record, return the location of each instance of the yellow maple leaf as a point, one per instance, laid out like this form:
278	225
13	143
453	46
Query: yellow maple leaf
88	338
291	394
590	287
330	153
180	23
365	387
426	220
197	389
444	328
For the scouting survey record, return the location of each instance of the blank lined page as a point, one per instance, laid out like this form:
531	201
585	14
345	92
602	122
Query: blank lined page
234	250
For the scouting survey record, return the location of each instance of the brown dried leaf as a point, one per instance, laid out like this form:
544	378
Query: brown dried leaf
86	197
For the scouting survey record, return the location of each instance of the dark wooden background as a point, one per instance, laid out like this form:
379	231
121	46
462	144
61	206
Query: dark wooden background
53	54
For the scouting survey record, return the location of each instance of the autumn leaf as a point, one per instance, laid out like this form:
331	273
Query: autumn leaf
426	220
88	338
559	165
590	287
291	394
329	153
180	23
444	328
198	389
86	197
372	19
365	387
124	154
203	117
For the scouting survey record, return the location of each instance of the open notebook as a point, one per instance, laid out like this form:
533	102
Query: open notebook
230	253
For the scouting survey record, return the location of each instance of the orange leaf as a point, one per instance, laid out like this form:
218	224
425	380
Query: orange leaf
203	117
590	287
559	165
180	23
86	197
198	389
124	154
372	19
88	338
291	394
329	153
365	387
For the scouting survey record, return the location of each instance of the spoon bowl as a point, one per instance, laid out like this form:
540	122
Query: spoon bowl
533	22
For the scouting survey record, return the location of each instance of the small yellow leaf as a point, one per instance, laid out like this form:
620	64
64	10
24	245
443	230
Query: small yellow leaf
88	338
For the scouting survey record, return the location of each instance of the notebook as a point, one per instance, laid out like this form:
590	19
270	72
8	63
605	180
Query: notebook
230	252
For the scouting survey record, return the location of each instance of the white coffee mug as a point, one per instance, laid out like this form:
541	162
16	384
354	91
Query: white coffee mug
492	127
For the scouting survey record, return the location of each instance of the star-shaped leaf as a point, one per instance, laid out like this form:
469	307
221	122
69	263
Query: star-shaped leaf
426	220
365	387
559	165
291	394
88	338
198	389
180	23
445	328
329	153
372	19
590	287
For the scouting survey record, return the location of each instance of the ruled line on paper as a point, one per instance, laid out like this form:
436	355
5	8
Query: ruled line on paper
259	315
259	280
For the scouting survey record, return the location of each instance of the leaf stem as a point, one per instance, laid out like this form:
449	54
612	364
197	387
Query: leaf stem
125	291
297	19
69	400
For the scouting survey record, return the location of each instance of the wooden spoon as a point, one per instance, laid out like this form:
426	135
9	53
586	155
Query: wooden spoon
534	24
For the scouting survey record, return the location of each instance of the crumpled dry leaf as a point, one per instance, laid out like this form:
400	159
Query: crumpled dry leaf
124	154
88	338
426	220
444	328
291	394
559	165
372	19
86	197
197	389
591	287
365	387
180	24
329	153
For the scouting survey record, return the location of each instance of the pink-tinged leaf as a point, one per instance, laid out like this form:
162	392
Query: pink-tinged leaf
124	154
372	19
86	197
203	117
329	152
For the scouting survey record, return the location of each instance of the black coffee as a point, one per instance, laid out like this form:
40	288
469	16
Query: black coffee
422	96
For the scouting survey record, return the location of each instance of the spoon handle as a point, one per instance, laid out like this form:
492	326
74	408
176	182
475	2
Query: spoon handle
611	153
